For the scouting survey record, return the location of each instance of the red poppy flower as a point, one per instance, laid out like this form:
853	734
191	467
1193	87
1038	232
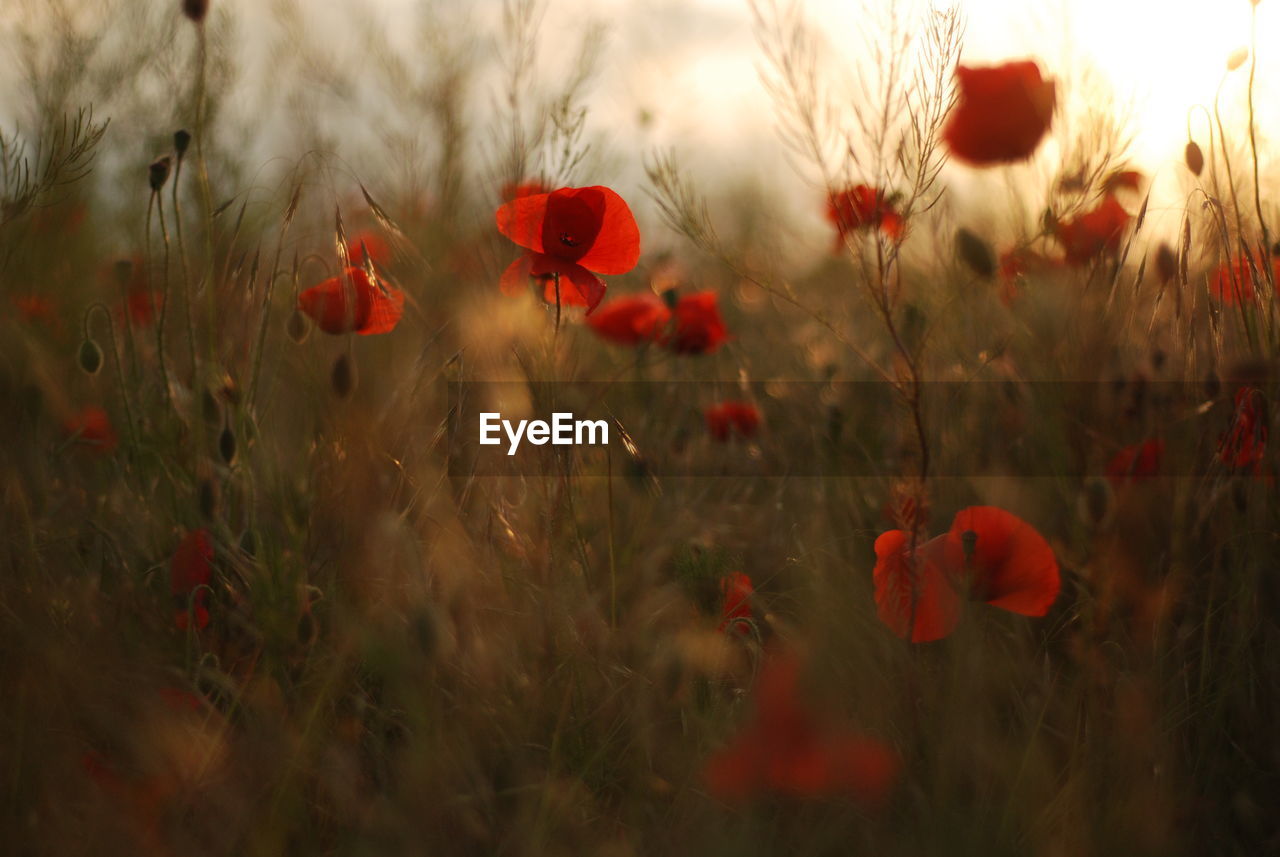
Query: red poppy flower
522	189
368	240
787	750
1244	444
1235	284
1137	462
740	419
189	570
924	600
1122	180
1093	232
1015	265
737	592
1001	115
996	556
698	328
353	303
92	427
37	309
574	232
142	306
861	207
631	320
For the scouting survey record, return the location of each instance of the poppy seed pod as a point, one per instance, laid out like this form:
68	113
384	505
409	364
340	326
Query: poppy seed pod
181	141
90	357
1194	157
158	173
297	327
227	445
196	10
207	498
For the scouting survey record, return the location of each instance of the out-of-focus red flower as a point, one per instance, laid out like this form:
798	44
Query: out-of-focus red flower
1122	180
377	246
732	419
1137	462
516	191
573	232
861	207
788	750
1235	284
698	327
990	554
1015	265
1094	232
37	309
353	303
91	427
190	570
631	320
737	591
142	306
1244	444
1001	115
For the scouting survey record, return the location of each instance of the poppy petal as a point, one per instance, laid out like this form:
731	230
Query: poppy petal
385	311
522	220
933	599
616	248
515	279
1012	566
578	286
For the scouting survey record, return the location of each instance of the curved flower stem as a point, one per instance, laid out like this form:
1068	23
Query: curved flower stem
115	359
164	301
556	278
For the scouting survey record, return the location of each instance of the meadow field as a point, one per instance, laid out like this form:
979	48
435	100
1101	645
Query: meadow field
937	514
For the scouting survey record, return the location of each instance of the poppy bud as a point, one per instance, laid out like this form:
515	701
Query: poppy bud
1166	264
671	297
1275	249
196	10
1096	502
1050	221
1194	157
975	253
297	327
249	542
208	498
227	445
1237	58
343	377
158	173
181	140
90	357
209	408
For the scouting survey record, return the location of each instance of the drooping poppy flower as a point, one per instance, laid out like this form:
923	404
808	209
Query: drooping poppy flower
1137	462
91	427
1237	283
788	750
736	590
861	207
1001	115
190	569
574	233
631	320
989	554
698	327
1244	443
732	419
368	240
353	303
1093	233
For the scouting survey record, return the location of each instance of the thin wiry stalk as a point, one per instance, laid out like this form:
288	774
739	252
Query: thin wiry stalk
1269	274
121	380
186	271
164	300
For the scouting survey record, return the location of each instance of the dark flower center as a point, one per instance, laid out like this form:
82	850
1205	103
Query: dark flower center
568	240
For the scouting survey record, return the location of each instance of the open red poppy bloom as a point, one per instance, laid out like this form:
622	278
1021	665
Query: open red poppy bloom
575	233
732	419
989	553
631	320
1001	115
1094	232
91	427
788	750
353	303
861	207
190	569
1137	462
1237	283
698	327
1244	444
737	592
